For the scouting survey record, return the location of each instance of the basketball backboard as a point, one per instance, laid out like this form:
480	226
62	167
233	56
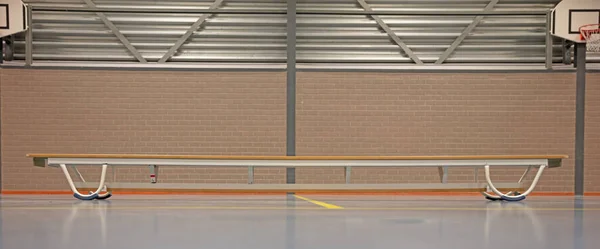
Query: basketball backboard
569	15
13	17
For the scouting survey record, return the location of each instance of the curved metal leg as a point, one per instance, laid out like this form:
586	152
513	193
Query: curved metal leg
108	193
498	198
104	196
76	193
514	197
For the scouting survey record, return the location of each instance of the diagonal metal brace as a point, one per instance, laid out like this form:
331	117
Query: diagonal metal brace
464	34
391	33
188	33
117	33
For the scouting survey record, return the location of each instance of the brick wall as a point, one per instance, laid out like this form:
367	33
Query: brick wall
80	111
592	138
83	111
443	114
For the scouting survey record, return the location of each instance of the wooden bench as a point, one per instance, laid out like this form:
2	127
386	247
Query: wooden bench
529	162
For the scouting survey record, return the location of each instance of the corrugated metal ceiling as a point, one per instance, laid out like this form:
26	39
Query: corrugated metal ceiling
320	38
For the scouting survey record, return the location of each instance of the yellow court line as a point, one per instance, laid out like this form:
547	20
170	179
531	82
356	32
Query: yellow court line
320	203
157	208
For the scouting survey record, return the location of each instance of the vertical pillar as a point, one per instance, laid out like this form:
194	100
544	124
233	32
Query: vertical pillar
580	118
549	41
29	39
291	88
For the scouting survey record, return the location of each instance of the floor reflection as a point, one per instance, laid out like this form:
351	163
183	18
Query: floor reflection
290	222
146	223
498	210
578	233
95	209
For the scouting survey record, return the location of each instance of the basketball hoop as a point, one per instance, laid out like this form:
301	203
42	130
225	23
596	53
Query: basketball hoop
591	34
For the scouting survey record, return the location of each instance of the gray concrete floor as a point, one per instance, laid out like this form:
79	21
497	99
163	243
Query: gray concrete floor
286	222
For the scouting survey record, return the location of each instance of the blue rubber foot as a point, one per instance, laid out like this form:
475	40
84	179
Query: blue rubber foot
104	197
513	198
85	198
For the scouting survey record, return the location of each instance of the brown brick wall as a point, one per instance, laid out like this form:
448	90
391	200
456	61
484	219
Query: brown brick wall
592	138
443	114
85	111
81	111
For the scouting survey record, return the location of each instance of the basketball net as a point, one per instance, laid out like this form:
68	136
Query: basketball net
591	34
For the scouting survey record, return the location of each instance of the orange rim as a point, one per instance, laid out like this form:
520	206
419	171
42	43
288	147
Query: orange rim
584	31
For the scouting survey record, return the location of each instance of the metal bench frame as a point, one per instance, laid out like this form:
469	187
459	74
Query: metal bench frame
541	162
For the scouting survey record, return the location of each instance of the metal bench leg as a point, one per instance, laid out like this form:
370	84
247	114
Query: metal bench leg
507	197
497	198
91	196
104	196
108	193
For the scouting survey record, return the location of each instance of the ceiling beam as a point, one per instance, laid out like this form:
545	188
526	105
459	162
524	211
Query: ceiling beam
465	32
117	33
391	33
188	33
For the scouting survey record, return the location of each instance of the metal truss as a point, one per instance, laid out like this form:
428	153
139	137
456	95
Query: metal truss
391	33
188	33
117	33
465	32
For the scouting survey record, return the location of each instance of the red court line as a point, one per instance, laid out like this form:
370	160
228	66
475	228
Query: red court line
126	192
59	192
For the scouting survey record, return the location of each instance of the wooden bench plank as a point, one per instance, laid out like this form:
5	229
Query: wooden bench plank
229	157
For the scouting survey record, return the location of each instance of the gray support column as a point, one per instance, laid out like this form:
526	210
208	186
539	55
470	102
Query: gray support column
580	118
29	39
549	42
291	88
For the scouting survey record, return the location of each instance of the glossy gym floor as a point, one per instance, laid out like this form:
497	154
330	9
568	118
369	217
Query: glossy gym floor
298	222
